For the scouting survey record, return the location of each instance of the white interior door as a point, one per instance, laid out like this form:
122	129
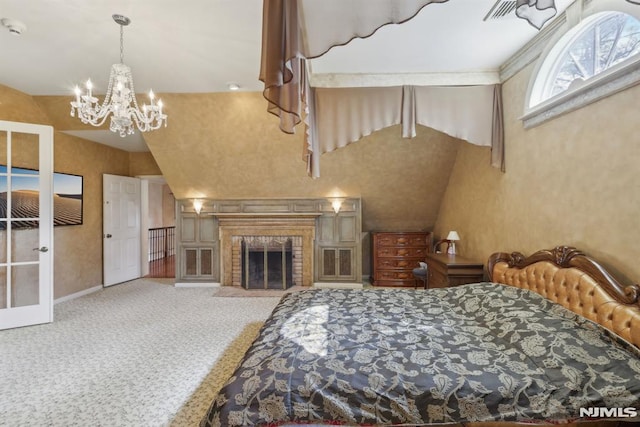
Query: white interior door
26	224
121	228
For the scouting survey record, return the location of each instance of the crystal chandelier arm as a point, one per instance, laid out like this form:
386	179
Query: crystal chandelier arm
150	118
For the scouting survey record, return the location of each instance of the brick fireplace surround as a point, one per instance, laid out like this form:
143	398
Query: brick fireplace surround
234	226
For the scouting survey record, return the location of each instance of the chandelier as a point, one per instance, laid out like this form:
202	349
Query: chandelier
120	100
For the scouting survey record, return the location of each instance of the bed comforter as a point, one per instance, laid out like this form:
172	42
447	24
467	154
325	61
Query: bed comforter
479	352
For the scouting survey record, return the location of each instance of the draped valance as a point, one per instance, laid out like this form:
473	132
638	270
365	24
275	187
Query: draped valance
288	39
345	115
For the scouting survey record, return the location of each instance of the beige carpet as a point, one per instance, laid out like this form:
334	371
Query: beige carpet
143	353
210	386
239	291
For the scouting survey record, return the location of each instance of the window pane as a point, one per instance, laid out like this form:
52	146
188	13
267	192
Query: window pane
604	41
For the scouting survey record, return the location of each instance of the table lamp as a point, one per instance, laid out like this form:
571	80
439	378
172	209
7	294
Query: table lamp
452	237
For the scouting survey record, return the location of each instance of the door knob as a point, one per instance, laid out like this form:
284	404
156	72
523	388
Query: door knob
42	249
108	236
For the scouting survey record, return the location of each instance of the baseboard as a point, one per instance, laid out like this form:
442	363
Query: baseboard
78	294
197	285
337	285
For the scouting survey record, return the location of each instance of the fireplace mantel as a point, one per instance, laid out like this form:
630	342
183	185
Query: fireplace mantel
265	214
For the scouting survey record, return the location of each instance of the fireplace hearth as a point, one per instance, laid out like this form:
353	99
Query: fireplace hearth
266	262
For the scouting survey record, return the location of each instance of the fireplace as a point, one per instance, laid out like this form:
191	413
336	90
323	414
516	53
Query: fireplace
266	262
234	227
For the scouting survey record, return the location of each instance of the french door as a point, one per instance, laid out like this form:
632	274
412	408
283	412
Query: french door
26	224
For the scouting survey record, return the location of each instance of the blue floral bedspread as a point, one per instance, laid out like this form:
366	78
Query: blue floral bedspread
480	352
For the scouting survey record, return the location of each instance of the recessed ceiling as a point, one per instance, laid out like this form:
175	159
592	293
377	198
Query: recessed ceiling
202	46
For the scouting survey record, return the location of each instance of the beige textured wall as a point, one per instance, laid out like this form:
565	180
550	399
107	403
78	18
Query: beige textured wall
574	180
16	106
78	249
226	145
143	164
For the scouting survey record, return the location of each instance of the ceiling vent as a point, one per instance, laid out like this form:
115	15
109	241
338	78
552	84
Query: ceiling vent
502	9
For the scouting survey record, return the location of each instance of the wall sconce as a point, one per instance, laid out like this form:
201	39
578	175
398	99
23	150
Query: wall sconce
452	237
197	205
336	204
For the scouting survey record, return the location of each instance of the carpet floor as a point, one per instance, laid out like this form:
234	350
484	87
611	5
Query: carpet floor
142	353
238	291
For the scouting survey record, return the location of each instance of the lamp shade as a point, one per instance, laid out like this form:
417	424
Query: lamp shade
453	235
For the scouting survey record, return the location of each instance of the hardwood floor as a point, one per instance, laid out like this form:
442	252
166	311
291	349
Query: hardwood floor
163	267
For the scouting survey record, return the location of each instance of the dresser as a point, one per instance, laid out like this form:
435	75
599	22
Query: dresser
451	270
396	254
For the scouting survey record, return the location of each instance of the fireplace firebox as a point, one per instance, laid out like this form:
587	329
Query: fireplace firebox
266	262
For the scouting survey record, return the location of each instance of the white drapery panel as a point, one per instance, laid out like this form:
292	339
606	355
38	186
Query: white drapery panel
464	112
345	115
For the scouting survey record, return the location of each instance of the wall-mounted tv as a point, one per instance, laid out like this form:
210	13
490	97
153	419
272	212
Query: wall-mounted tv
67	198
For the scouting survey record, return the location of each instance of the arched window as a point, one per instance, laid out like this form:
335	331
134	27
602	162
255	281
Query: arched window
599	46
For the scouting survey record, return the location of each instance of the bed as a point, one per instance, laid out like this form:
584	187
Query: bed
546	336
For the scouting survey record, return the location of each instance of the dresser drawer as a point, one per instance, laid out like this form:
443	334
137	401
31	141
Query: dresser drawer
401	252
393	275
404	263
402	241
396	283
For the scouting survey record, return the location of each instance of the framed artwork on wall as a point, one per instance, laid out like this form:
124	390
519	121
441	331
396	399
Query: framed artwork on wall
67	198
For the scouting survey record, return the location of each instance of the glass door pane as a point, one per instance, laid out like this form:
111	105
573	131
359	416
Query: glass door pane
24	282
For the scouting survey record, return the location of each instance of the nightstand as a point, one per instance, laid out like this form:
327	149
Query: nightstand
451	270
